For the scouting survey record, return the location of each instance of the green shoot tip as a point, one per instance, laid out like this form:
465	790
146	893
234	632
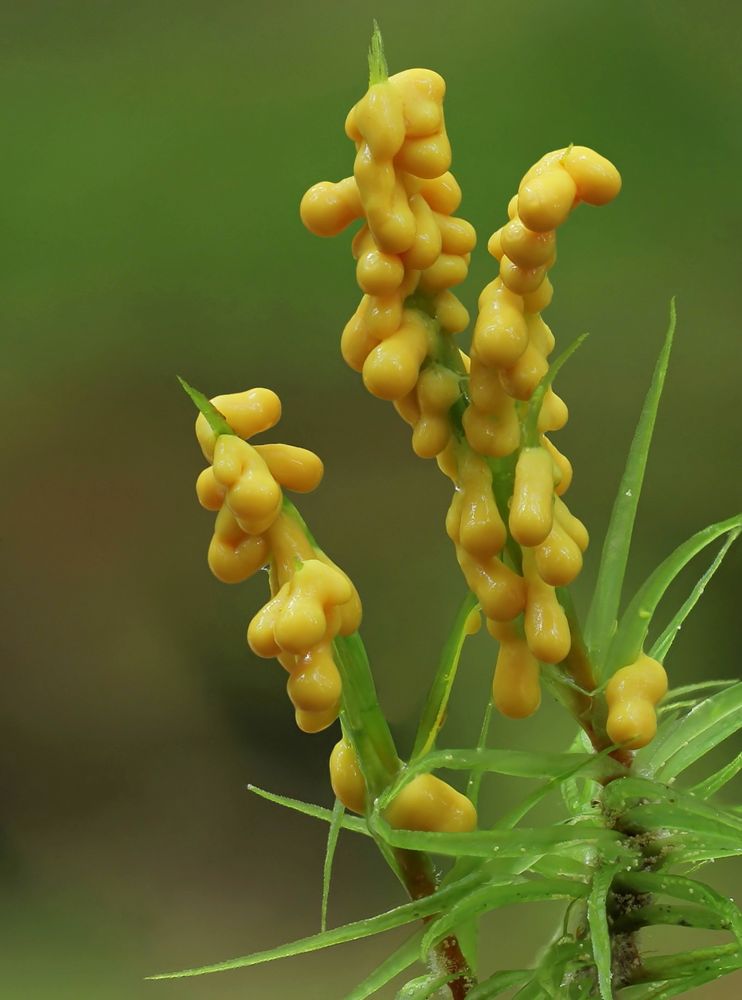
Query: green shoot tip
216	420
378	71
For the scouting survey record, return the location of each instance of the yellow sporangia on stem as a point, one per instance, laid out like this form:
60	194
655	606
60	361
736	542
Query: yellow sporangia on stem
631	696
312	600
467	412
427	803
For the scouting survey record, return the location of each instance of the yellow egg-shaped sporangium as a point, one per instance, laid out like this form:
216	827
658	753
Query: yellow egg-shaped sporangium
516	687
429	804
532	508
631	696
346	779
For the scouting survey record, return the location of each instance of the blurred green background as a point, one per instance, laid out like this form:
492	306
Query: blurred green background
154	154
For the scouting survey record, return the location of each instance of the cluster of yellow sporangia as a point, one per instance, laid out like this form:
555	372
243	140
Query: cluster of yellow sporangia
409	245
312	600
409	252
510	347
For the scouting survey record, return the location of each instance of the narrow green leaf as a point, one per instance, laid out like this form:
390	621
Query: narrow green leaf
514	763
578	792
661	647
333	833
424	986
475	777
597	917
675	817
496	985
406	914
632	630
584	763
716	781
401	959
440	690
309	809
530	426
378	71
492	897
643	794
688	983
678	746
655	914
614	556
216	420
499	843
687	889
656	968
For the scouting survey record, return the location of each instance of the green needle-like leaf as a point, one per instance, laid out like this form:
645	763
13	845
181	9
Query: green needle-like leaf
615	554
475	777
492	897
216	420
406	914
440	690
424	986
597	917
687	889
715	782
401	959
515	763
517	843
530	426
378	71
678	746
632	630
336	824
309	809
498	984
661	647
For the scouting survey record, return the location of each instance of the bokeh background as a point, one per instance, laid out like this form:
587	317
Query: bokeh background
154	154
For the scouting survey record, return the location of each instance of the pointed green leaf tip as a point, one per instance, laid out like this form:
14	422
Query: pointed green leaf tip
216	420
378	71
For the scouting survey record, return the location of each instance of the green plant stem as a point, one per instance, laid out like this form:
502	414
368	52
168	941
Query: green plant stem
366	727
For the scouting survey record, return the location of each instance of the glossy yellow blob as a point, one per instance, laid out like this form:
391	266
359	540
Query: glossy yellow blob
260	632
391	369
294	468
443	193
422	92
558	557
357	342
210	493
531	511
426	247
493	434
346	779
314	684
526	248
379	119
521	380
481	531
247	413
536	302
631	696
545	197
252	494
545	623
289	547
448	270
518	279
554	413
473	623
516	686
430	804
562	467
327	209
500	333
233	555
571	524
500	591
315	722
426	156
302	620
597	180
450	312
